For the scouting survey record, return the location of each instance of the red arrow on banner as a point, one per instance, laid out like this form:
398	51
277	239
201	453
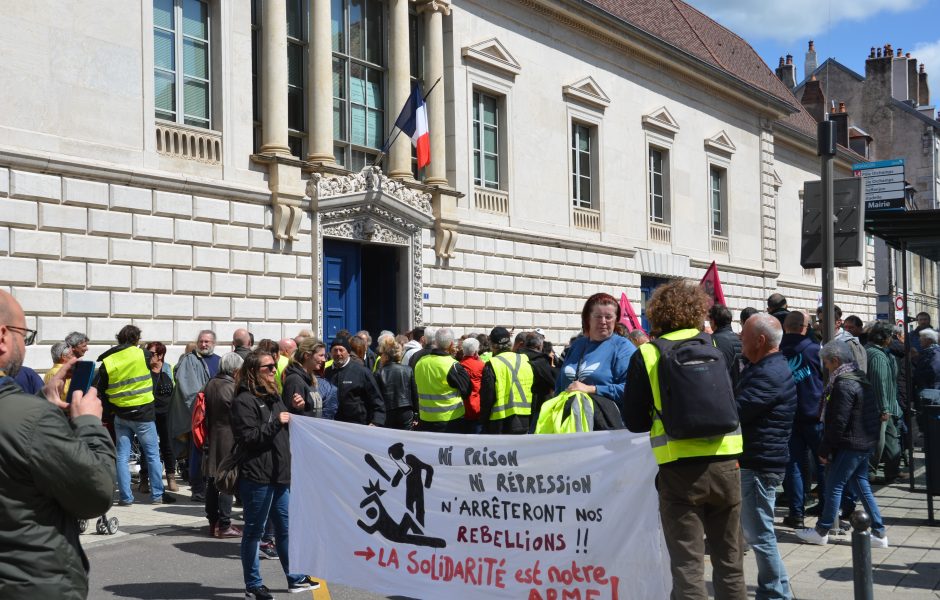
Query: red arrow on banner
368	553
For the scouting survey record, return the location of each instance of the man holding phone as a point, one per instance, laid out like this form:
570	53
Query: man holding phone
124	380
55	468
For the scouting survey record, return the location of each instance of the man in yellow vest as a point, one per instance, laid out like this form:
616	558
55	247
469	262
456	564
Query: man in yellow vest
443	385
506	388
699	480
124	381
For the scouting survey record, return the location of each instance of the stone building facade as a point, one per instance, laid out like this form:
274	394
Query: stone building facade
185	165
887	114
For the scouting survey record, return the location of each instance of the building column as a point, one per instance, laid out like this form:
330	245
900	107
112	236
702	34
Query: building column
320	77
399	86
434	11
274	78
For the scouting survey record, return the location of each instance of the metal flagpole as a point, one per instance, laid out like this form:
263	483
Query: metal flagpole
388	143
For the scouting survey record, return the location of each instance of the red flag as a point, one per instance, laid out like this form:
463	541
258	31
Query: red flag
712	285
627	316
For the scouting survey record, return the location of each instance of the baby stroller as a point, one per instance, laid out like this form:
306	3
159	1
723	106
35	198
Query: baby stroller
106	525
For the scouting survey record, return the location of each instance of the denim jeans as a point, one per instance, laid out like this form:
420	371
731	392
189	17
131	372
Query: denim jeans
196	483
848	469
805	436
146	432
758	493
259	500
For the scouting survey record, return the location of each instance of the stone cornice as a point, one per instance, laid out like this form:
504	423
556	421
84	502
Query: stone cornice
704	264
544	239
110	173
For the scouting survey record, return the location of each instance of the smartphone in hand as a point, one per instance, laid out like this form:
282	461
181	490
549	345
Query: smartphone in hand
82	373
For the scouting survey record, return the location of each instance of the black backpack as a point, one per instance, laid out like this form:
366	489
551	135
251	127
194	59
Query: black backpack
695	389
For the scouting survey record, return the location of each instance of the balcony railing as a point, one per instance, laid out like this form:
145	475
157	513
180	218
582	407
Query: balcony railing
191	143
587	218
660	232
490	200
719	244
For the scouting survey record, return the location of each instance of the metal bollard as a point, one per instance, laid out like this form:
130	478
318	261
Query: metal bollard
861	555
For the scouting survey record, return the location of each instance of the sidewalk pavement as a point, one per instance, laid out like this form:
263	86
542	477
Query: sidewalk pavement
145	518
909	568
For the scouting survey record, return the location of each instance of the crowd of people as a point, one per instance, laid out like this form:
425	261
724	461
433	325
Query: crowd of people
771	407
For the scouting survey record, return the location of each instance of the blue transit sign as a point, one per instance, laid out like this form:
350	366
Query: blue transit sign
884	184
897	162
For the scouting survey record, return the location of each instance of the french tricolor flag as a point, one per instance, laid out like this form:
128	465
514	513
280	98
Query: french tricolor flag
413	121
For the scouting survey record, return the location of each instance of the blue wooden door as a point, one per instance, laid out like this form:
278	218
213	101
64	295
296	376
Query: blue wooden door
341	281
647	285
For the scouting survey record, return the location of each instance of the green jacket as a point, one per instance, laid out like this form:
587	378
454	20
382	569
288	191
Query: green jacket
52	472
883	376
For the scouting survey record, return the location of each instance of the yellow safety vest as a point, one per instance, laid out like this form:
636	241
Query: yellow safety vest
486	357
282	362
666	449
129	380
514	379
580	419
437	401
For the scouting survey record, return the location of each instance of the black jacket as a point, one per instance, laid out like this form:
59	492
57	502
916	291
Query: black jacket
360	400
543	386
397	383
298	381
52	473
927	369
853	419
729	343
766	399
264	444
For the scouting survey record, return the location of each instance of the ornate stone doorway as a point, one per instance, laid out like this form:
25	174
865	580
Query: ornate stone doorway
385	220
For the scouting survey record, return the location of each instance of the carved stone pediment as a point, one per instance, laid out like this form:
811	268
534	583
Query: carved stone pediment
720	143
587	91
662	120
369	185
493	54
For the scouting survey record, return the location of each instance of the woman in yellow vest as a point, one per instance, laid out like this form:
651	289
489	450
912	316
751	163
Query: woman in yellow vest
699	481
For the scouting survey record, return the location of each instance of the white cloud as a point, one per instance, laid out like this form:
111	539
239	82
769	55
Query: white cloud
793	20
928	54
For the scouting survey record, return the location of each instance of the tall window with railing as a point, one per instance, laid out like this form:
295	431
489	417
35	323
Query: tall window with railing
485	140
581	165
359	66
181	55
716	201
657	185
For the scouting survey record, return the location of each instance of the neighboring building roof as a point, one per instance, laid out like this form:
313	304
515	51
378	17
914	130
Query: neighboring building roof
828	63
688	29
906	107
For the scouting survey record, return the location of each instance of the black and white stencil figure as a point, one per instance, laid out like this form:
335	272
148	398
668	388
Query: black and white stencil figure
417	476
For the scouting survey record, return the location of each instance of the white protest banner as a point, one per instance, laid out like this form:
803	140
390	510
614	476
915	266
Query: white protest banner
426	515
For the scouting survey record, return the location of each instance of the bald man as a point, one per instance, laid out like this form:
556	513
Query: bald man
286	348
766	399
241	343
52	473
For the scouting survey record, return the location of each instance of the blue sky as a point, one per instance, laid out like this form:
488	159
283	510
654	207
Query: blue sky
842	29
